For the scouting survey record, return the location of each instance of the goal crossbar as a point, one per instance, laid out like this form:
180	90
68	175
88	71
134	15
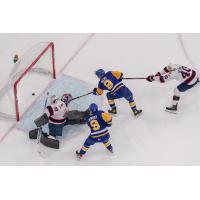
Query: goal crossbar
15	79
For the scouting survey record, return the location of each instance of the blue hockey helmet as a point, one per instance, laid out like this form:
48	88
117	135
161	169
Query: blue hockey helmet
100	73
93	108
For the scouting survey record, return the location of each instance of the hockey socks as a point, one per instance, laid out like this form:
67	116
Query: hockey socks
132	104
108	146
134	109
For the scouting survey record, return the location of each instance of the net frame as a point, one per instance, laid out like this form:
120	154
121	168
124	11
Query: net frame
15	78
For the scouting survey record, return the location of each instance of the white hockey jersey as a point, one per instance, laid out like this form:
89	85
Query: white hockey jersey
57	112
177	72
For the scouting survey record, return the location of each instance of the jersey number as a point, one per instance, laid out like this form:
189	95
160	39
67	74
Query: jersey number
185	72
108	84
95	125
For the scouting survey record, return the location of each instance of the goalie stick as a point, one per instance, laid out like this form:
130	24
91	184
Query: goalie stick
40	128
82	96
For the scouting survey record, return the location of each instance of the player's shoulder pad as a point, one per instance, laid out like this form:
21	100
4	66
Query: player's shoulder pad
117	74
106	117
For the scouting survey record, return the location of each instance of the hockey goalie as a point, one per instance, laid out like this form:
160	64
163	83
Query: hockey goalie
57	115
188	78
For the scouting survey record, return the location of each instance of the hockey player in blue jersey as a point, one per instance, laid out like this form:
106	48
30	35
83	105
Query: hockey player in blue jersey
98	121
112	81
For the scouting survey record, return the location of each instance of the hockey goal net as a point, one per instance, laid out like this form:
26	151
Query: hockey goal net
38	60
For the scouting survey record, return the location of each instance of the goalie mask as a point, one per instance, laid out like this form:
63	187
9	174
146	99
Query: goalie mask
66	98
54	99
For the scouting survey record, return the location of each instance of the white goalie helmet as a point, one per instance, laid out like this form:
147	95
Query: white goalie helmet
66	98
54	99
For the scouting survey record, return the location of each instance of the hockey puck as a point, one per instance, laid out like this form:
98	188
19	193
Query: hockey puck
33	94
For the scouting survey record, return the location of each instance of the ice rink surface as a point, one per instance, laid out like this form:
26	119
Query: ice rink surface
156	138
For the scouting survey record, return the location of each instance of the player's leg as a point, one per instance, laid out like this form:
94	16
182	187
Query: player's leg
176	97
105	140
88	142
111	102
108	146
175	100
129	97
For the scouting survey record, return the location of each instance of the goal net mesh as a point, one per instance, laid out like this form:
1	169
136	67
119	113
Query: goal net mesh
38	59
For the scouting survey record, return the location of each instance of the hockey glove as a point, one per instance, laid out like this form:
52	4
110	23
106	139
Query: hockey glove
150	78
158	74
95	91
121	78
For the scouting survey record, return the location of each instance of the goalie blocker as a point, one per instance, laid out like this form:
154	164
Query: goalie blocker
74	117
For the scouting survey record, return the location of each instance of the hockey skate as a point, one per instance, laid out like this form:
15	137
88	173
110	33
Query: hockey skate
111	150
172	109
113	111
78	155
137	113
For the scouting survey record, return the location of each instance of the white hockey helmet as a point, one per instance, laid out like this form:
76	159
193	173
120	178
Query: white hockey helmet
172	67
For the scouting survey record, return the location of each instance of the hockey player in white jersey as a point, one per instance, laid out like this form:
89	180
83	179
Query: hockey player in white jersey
57	115
188	78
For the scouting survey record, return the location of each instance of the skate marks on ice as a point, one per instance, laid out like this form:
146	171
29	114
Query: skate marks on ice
63	84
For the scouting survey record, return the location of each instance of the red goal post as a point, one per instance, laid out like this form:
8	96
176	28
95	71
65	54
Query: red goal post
38	59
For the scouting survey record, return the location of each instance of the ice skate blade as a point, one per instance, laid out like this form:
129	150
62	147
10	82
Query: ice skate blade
171	111
138	115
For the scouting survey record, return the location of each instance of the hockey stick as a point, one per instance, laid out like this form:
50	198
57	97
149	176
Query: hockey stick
82	96
40	128
134	78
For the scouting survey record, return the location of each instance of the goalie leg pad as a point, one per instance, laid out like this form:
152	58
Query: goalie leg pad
33	134
48	142
76	117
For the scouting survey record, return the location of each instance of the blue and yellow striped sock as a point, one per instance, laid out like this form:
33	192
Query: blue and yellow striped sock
132	104
84	149
112	104
108	145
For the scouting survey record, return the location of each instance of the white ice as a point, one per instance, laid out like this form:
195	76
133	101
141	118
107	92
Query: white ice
156	138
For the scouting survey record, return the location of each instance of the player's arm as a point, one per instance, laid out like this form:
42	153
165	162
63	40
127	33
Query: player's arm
165	70
160	78
107	118
171	67
49	111
164	78
118	75
44	119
